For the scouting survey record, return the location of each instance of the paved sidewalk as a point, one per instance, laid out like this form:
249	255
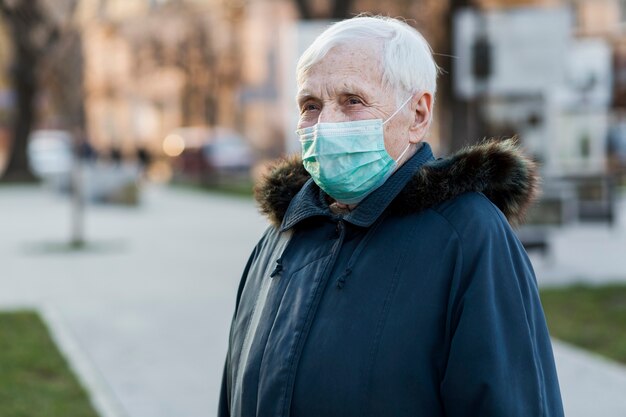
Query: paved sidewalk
585	252
590	385
150	305
144	315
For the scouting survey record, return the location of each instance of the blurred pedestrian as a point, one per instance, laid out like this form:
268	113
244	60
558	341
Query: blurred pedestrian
115	156
389	283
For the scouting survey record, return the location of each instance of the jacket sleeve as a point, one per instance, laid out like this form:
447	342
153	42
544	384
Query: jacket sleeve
500	360
224	400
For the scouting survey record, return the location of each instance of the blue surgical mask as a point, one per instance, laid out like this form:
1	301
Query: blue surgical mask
348	160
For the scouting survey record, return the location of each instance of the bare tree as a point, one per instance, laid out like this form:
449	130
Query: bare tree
42	43
47	48
31	33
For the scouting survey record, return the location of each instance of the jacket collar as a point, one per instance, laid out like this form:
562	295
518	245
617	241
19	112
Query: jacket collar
311	200
497	168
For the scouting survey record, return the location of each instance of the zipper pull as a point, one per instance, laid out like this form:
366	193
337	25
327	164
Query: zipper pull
338	228
278	269
341	281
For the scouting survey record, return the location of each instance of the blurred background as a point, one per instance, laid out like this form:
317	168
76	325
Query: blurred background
133	131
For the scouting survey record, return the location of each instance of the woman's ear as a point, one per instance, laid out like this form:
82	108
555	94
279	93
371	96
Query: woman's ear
421	106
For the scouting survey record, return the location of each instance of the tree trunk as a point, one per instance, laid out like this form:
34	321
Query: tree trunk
458	110
304	9
341	9
25	86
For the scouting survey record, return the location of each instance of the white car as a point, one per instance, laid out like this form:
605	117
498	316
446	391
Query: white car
50	155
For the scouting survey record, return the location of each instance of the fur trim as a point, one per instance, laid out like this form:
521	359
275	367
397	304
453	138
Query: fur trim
494	167
284	179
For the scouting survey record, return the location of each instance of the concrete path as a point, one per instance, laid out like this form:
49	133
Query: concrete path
144	314
590	385
585	252
150	305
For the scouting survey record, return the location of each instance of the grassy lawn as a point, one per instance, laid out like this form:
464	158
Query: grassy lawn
34	377
592	318
238	189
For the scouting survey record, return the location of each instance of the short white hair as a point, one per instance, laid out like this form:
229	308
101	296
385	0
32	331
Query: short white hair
407	60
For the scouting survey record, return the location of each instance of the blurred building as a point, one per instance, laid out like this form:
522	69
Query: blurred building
607	19
154	66
151	67
549	71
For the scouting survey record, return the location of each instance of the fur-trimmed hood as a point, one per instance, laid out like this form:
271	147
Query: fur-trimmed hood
496	168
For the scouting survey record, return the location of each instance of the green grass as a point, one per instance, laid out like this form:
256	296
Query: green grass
34	378
238	189
592	318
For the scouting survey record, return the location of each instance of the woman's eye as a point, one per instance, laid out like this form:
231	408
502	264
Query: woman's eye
354	101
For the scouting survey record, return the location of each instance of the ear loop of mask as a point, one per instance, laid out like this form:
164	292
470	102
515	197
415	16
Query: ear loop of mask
390	117
408	145
398	110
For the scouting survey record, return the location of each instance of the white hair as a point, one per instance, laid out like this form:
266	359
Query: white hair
407	60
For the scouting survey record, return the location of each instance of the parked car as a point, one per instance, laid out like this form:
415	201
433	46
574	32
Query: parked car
50	156
209	155
226	151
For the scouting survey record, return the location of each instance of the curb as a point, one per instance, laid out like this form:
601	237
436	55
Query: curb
99	392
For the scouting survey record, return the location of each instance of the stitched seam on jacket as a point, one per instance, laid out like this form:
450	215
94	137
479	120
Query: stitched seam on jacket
228	364
247	322
291	275
283	240
246	345
448	331
492	207
295	271
379	328
307	324
539	375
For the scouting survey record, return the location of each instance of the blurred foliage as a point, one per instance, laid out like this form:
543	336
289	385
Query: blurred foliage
590	317
34	377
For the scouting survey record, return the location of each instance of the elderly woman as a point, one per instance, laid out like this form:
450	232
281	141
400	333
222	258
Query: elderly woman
389	283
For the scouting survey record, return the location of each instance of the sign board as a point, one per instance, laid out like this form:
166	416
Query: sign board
581	142
528	46
588	78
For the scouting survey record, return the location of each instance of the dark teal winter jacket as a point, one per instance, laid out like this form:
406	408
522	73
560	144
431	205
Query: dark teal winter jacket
420	302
